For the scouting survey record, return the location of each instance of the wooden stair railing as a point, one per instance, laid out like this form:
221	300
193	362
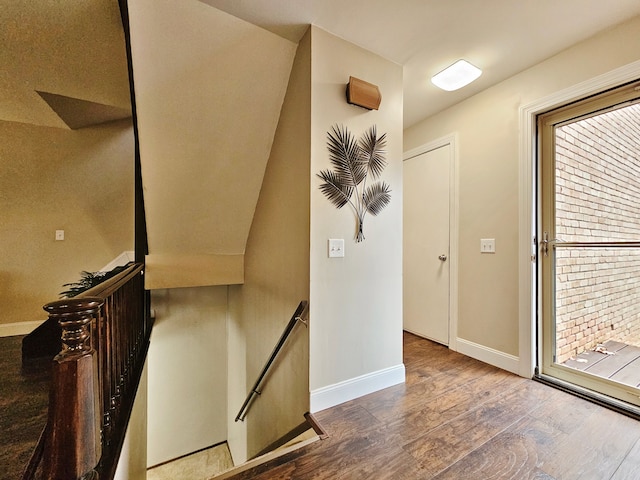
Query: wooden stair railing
105	338
73	447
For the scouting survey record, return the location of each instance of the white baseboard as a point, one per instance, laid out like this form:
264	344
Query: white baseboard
502	360
120	260
326	397
18	328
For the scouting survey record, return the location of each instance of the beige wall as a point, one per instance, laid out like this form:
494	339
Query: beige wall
52	179
487	125
74	49
276	280
356	301
187	397
209	88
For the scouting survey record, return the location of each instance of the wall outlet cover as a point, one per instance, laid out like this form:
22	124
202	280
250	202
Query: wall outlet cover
487	245
336	247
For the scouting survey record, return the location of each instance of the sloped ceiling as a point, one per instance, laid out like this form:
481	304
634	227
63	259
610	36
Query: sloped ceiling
209	89
76	49
210	82
76	113
71	49
502	37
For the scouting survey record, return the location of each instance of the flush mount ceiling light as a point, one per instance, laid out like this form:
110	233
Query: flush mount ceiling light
456	76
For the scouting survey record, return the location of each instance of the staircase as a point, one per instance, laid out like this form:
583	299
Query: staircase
215	463
266	460
209	89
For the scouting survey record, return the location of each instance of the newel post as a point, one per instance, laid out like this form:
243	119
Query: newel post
73	446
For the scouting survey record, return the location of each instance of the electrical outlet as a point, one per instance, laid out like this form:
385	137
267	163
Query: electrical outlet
336	247
59	235
487	245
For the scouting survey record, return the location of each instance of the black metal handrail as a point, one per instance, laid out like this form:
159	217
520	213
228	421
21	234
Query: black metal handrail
299	316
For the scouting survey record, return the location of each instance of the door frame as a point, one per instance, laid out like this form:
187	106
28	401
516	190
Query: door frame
452	141
551	368
530	349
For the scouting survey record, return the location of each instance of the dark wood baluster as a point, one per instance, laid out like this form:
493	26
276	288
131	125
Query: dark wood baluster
115	379
124	357
132	324
107	379
119	358
98	345
74	446
113	374
100	350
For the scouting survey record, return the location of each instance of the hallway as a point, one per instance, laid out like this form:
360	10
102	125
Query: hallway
457	418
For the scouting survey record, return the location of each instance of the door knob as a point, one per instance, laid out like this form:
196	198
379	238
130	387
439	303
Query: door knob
442	257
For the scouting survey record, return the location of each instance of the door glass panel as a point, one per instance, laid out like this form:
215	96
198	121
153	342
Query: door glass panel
597	301
595	259
598	177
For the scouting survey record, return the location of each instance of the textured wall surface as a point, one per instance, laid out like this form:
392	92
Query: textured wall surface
598	200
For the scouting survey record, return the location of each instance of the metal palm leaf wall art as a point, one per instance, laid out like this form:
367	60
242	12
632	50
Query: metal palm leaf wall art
353	161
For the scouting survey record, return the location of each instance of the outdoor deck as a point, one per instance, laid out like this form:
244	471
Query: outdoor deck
615	360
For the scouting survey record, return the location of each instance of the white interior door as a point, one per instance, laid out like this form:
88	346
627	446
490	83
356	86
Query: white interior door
426	244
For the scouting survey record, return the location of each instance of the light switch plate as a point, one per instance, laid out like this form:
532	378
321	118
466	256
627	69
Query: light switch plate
336	247
59	235
487	245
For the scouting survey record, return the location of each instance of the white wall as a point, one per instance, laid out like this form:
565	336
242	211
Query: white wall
187	392
356	301
488	131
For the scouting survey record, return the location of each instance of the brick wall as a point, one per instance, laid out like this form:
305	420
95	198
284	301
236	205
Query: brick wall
598	200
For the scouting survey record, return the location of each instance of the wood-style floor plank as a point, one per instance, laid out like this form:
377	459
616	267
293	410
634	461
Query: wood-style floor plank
506	456
453	440
630	467
593	450
24	401
456	418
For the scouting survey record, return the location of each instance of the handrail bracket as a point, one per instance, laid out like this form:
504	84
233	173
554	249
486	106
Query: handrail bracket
302	321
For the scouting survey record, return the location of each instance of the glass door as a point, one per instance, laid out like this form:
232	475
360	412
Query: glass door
590	243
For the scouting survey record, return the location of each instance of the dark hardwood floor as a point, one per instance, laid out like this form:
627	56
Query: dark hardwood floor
457	418
24	399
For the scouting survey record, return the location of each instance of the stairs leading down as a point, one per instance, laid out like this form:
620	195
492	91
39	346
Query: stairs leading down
196	466
215	463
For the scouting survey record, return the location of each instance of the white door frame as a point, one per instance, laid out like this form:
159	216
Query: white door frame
529	324
452	141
